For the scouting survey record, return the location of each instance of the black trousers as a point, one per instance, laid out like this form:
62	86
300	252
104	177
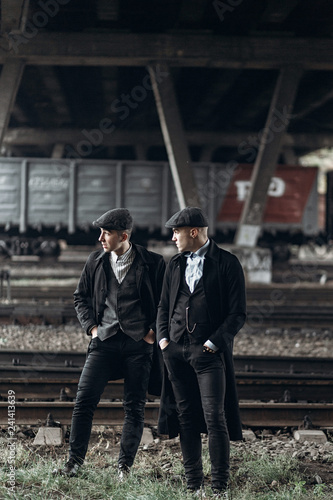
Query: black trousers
114	358
198	378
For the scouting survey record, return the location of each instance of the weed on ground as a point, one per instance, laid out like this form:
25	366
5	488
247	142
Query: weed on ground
27	474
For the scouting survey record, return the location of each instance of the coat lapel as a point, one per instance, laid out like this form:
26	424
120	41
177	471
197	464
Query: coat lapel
211	282
176	277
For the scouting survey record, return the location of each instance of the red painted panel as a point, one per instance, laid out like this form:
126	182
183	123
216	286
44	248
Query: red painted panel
288	194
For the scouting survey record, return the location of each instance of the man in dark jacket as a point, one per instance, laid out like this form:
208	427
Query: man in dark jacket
202	308
116	303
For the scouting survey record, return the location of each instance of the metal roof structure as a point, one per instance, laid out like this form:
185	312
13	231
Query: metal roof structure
193	80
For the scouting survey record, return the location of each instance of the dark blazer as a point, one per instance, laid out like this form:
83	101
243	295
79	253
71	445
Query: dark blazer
224	287
91	292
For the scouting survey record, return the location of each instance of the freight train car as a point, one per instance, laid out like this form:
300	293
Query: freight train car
42	200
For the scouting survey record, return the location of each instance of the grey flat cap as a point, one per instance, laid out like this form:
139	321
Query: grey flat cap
117	219
189	216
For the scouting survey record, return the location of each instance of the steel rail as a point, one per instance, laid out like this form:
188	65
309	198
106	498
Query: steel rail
250	386
111	413
243	363
259	315
51	389
276	294
54	375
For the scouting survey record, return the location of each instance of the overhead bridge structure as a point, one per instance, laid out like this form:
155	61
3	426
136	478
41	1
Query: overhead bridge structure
187	81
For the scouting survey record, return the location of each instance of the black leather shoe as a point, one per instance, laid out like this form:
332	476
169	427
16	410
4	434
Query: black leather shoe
198	492
70	469
123	472
223	494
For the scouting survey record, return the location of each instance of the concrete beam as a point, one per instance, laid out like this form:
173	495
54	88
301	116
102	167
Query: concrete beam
29	136
58	151
13	15
10	80
174	137
182	50
271	138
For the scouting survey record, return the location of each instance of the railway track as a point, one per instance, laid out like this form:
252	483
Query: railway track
111	413
243	363
273	391
260	315
263	387
54	375
50	301
51	284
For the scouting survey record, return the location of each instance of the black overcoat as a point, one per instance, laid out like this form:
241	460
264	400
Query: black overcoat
91	292
224	286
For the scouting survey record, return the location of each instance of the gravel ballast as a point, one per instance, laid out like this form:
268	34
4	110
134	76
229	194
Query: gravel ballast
276	341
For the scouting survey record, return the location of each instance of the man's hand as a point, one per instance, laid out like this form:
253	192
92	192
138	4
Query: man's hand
94	332
208	349
164	344
150	337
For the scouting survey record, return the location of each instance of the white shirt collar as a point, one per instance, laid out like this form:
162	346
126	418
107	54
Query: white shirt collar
201	252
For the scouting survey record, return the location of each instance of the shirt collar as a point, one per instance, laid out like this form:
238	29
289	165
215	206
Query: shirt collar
201	252
124	257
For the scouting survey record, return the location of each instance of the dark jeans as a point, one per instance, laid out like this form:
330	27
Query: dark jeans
115	358
198	378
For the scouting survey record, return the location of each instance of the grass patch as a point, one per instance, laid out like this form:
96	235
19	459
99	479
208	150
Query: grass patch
156	475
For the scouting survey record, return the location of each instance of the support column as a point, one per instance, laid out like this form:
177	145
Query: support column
58	150
270	145
174	136
10	80
13	15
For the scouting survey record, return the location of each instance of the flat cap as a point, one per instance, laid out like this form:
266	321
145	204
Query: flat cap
117	219
189	216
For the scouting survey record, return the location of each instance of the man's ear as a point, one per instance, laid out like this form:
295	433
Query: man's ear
194	232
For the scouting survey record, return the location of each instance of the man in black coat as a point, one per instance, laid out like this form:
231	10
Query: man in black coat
116	303
201	310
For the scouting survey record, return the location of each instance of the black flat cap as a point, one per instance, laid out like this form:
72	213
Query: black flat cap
117	219
189	216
